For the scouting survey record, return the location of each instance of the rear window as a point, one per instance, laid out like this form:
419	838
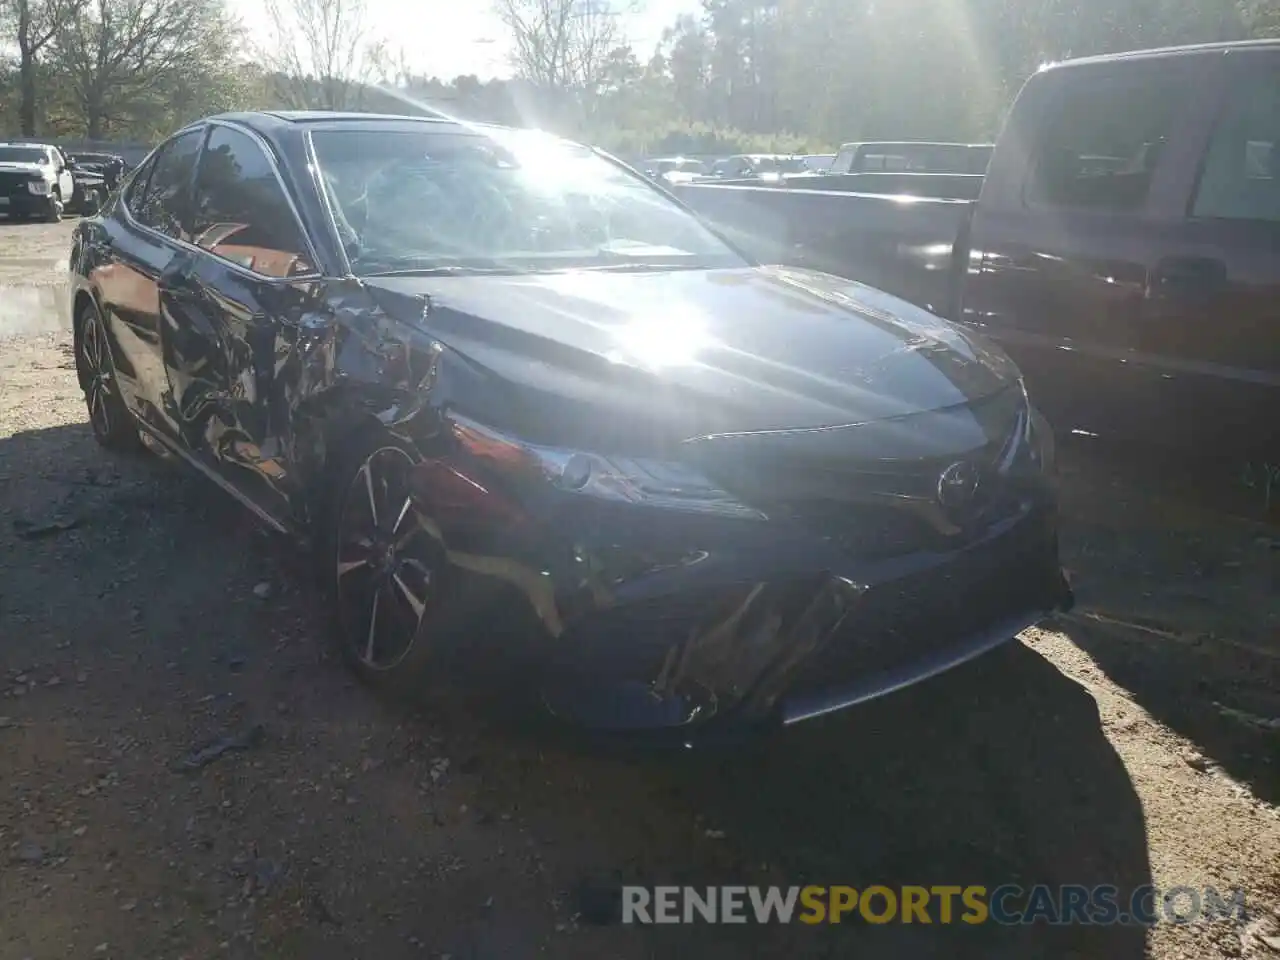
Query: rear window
23	155
1239	179
1102	139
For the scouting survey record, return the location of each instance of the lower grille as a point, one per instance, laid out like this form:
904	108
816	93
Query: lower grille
882	531
908	619
12	184
863	531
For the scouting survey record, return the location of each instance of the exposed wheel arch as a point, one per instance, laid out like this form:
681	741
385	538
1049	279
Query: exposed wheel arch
329	426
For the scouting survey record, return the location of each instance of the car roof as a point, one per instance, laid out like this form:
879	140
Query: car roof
273	123
1188	50
19	143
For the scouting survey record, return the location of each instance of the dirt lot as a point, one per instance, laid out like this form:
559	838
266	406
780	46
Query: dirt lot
1126	745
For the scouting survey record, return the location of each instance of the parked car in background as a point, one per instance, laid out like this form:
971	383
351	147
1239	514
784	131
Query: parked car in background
35	181
111	167
936	174
674	169
766	167
528	410
1123	248
90	190
908	156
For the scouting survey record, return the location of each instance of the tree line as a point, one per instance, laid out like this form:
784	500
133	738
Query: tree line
785	75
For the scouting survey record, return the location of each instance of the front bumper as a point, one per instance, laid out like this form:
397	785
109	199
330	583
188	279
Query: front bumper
25	204
651	621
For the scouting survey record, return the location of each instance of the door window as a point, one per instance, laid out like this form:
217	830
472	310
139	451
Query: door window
843	163
1103	139
1239	180
137	188
241	211
161	200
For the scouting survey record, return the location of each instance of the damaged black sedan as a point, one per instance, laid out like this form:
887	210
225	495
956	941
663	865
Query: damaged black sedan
527	409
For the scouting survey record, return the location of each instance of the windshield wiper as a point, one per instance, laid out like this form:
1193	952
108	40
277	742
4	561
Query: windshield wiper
637	266
443	271
599	261
430	267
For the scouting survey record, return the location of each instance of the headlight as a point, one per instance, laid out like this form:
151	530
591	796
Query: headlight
1033	448
617	479
39	187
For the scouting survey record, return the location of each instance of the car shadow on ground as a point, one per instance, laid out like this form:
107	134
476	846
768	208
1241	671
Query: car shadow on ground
1176	568
997	773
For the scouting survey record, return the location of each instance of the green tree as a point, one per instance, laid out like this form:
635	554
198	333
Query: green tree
141	66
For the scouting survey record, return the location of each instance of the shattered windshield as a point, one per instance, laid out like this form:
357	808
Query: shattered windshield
501	200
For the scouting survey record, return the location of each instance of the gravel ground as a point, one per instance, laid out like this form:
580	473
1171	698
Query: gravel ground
1126	745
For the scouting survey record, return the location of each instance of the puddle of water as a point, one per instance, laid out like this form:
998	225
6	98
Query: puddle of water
27	310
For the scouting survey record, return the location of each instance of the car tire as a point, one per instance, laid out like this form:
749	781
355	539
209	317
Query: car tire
392	591
53	213
112	423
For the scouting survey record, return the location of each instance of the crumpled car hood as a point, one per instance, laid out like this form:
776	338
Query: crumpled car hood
703	351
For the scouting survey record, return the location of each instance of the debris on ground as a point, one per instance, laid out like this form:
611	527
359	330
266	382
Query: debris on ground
263	590
30	852
207	753
32	530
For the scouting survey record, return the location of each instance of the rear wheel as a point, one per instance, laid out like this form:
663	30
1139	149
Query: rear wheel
112	424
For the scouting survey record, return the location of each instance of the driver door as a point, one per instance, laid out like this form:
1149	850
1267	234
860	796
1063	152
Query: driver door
237	304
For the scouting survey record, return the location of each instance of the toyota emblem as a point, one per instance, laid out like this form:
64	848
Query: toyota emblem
958	486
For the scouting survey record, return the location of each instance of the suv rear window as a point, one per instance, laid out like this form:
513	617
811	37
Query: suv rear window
1102	139
1239	181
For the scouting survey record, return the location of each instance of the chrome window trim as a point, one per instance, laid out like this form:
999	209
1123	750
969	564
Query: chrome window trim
206	126
313	162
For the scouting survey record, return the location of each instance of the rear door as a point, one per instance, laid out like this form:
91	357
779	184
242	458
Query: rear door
1210	318
237	305
142	240
1067	232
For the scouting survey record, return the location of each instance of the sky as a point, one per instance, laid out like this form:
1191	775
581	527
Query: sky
446	38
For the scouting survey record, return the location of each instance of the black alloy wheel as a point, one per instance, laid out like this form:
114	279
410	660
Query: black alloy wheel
386	568
112	424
